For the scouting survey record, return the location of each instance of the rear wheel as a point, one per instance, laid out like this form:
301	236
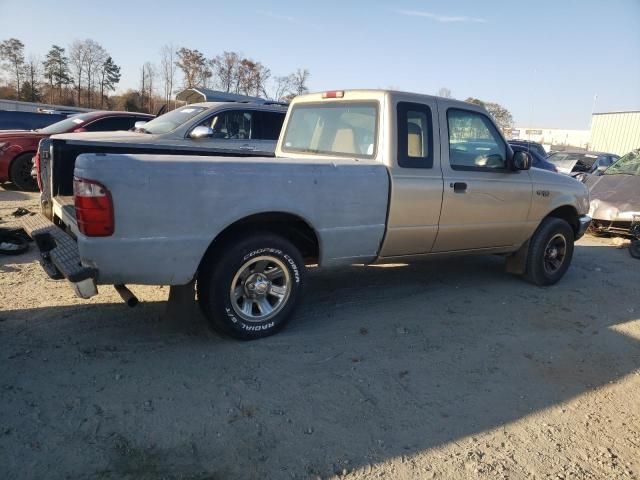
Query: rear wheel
550	252
20	173
249	290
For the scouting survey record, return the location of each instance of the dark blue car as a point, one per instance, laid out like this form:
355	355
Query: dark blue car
537	160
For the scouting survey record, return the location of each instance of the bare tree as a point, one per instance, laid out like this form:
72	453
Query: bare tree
168	70
444	92
33	73
299	81
194	66
225	68
147	76
78	59
95	57
12	52
282	87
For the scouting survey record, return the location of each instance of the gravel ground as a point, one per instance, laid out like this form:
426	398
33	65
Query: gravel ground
438	370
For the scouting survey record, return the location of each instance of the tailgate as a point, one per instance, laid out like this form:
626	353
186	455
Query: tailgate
59	254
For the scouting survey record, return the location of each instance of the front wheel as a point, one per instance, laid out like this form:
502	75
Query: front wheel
249	289
20	173
550	252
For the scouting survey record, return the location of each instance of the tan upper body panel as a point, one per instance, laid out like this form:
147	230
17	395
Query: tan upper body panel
494	209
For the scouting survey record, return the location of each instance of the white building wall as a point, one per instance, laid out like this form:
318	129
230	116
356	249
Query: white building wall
552	136
616	132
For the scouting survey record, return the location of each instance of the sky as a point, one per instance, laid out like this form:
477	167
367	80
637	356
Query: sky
550	62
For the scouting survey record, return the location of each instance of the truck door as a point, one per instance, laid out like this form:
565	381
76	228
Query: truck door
416	178
484	204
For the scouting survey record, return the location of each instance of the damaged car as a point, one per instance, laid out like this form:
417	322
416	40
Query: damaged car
615	199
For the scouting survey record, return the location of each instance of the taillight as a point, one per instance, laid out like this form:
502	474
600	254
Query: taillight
36	162
94	208
333	94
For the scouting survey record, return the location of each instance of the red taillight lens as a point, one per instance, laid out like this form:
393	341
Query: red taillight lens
36	162
94	208
333	94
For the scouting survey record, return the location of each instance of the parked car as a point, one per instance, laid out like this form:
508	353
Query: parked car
361	176
615	197
17	147
573	163
209	128
538	161
530	146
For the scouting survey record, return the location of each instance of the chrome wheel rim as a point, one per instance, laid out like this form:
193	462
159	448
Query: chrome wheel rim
260	289
555	253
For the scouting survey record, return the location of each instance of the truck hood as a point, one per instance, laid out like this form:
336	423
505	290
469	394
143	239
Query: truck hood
614	197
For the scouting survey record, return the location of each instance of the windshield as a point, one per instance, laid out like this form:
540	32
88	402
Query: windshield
172	120
71	123
627	165
333	129
580	162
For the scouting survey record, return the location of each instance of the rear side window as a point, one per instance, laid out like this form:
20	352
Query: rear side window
415	135
268	125
111	124
474	142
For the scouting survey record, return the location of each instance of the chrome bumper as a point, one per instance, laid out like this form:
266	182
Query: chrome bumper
584	222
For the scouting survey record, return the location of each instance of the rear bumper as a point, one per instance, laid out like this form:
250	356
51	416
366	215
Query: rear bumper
59	255
583	224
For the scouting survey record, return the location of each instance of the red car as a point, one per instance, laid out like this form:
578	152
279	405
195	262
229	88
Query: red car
17	147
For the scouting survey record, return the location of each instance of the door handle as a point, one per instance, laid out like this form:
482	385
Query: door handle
246	146
459	187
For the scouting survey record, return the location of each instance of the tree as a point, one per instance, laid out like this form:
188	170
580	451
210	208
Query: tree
147	75
168	70
56	71
194	66
225	68
444	92
32	73
95	58
109	78
282	87
501	115
77	57
12	52
299	81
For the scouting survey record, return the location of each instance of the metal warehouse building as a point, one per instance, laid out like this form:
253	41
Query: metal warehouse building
615	132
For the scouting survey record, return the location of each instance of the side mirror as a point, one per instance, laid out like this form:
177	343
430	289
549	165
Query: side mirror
139	124
601	169
201	132
79	130
521	161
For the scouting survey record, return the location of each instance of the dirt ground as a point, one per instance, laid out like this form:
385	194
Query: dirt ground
438	370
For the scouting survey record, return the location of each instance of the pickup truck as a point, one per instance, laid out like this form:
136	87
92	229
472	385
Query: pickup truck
359	177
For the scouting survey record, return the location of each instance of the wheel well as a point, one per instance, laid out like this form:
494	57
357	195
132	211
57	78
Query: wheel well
289	226
569	214
14	159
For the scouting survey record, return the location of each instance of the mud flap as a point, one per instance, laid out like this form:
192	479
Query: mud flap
517	262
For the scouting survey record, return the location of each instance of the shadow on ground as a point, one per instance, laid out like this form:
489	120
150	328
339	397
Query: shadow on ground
378	363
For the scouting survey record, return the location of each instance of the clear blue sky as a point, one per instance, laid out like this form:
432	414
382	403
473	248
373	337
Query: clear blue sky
543	60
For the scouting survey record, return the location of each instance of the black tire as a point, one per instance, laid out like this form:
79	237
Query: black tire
13	246
20	173
550	252
251	270
634	248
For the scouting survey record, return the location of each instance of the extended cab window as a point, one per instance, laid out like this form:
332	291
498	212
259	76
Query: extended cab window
474	142
415	141
269	124
335	128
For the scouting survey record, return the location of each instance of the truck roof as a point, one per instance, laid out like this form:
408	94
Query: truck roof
378	94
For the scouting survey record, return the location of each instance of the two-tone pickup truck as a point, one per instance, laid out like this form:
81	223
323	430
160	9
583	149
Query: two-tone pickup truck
359	177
